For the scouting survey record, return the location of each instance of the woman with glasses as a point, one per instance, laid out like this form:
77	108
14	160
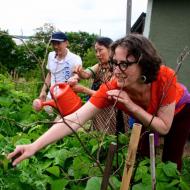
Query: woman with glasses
144	88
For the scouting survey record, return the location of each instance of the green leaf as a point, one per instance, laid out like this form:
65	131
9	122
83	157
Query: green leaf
77	187
173	183
35	128
1	137
160	174
184	186
146	179
5	102
94	183
51	153
54	170
140	173
94	148
94	171
166	186
59	184
162	186
144	162
115	182
141	186
5	162
71	171
93	142
61	156
24	164
170	169
81	166
123	139
45	164
23	141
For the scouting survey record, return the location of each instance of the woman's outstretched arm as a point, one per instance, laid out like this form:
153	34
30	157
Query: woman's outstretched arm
56	132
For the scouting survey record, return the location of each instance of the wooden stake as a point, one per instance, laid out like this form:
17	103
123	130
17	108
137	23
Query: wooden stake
152	160
131	156
108	166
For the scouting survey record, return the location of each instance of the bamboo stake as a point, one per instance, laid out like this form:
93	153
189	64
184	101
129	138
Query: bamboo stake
131	156
152	160
108	166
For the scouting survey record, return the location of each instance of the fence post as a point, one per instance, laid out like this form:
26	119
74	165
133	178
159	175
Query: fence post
152	160
131	156
108	166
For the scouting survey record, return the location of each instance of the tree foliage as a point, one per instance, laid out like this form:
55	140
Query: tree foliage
7	51
28	56
89	58
43	34
80	42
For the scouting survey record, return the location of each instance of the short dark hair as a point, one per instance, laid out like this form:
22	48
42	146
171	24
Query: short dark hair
104	41
141	48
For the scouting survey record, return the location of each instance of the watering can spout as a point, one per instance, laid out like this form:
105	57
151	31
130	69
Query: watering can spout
64	99
39	104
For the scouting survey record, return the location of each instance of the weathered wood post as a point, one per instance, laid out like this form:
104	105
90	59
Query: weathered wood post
152	160
108	166
131	156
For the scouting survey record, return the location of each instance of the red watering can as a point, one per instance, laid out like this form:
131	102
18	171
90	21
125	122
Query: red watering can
64	99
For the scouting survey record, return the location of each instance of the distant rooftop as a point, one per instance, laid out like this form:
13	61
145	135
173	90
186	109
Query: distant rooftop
138	26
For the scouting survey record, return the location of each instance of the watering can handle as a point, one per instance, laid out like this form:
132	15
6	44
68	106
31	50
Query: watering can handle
61	85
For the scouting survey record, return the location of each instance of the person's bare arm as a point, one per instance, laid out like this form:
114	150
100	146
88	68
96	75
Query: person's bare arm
82	89
56	132
161	122
46	85
87	73
81	73
95	68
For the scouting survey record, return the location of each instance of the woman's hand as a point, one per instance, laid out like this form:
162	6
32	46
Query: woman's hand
119	95
122	97
81	72
160	123
73	80
20	153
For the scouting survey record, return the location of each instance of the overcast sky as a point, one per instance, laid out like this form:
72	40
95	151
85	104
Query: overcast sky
22	17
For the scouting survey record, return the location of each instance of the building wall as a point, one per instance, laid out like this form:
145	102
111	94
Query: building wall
170	32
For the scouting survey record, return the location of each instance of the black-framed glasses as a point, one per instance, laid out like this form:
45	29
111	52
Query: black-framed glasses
123	65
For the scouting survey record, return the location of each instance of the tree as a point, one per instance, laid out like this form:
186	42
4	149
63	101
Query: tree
32	52
28	56
7	51
43	33
80	42
89	58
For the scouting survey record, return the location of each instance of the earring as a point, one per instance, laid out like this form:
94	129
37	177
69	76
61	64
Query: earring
143	78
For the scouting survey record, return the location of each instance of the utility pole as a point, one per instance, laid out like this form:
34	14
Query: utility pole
128	16
100	32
